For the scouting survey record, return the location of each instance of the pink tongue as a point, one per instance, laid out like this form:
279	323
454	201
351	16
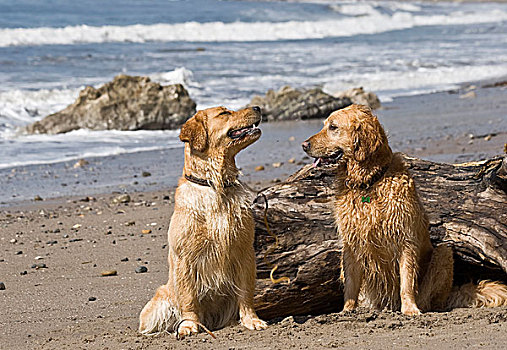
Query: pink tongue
316	162
239	132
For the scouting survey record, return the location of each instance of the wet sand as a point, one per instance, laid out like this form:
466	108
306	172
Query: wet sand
78	231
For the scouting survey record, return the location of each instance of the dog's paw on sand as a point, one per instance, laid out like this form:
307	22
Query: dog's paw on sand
254	323
186	328
410	310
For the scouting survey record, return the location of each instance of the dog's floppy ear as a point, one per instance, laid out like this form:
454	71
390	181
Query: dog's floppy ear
194	132
367	136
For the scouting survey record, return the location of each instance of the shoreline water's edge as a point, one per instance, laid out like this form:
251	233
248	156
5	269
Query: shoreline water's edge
450	126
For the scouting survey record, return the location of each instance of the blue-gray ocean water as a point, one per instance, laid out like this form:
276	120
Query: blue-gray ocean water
224	52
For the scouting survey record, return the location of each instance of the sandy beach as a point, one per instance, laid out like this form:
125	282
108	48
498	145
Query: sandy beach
53	251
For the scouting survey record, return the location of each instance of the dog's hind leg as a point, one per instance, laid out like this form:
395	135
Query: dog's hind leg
159	314
436	284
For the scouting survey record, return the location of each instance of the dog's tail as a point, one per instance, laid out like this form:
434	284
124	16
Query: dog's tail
484	294
158	315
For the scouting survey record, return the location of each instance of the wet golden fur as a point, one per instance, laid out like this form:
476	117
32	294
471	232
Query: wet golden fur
388	259
211	256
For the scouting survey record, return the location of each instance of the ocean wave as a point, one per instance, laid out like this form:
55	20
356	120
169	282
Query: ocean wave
21	107
391	84
180	75
372	22
83	144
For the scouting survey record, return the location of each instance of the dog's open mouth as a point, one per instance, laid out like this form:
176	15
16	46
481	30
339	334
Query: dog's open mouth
238	134
332	159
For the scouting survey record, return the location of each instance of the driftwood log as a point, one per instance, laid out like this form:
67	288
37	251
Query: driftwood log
466	204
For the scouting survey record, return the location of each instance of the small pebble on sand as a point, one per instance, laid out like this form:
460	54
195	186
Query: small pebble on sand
470	94
123	198
37	198
2	286
292	160
22	273
141	269
259	168
80	163
109	273
39	266
146	174
125	259
145	232
277	164
92	299
287	321
292	138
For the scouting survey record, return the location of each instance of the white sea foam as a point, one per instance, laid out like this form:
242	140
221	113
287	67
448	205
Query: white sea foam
83	144
180	75
21	107
374	22
354	9
391	84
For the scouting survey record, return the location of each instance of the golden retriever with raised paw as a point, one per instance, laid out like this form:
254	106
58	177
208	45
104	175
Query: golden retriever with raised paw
388	260
211	234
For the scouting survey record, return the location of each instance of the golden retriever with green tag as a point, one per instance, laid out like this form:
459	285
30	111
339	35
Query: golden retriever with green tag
388	259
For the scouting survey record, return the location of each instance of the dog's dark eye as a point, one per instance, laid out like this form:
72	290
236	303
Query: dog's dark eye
333	127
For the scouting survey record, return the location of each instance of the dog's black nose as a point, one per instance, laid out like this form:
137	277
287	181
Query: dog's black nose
306	146
256	109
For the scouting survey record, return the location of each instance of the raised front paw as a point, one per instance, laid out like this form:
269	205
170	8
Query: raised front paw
410	310
253	323
185	328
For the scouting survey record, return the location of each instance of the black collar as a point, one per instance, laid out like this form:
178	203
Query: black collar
374	178
198	181
203	182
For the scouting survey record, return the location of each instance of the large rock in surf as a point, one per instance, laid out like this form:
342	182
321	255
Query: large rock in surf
126	103
361	97
291	104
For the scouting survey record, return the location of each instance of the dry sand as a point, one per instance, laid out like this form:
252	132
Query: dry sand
68	304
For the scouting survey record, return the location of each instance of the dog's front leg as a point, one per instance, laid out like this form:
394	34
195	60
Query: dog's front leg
352	278
187	300
247	315
408	275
